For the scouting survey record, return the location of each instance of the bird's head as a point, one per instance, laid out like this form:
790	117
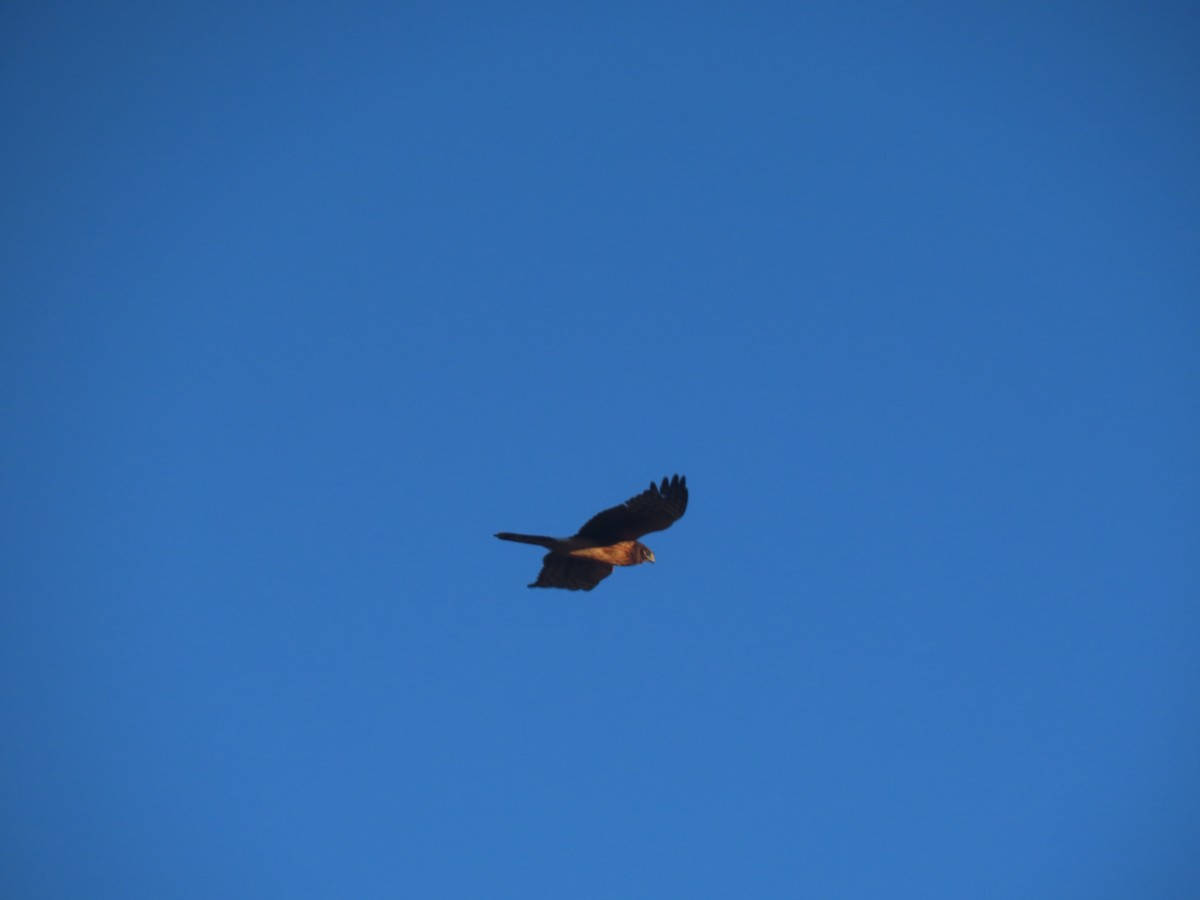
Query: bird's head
646	552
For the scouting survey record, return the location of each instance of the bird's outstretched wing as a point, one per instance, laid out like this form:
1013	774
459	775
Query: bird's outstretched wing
651	510
571	572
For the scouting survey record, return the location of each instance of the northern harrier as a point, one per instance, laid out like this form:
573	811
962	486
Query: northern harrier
607	539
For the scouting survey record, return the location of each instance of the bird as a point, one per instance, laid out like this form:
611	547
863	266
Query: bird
607	539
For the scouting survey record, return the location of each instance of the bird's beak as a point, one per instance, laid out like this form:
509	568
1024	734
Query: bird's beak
649	556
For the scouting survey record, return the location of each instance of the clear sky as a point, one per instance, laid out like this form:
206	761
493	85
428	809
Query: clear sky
302	302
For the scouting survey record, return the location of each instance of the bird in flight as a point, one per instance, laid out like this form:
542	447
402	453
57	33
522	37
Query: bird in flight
607	539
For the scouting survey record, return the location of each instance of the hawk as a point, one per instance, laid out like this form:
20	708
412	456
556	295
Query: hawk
607	539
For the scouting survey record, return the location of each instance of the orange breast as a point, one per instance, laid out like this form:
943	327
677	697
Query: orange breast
622	554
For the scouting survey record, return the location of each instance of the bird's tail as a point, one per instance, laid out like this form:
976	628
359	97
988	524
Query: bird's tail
547	542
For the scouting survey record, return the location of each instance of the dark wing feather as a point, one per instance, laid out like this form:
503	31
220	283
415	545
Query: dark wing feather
651	510
571	572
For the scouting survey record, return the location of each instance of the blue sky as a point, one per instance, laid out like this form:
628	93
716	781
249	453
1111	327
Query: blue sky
303	303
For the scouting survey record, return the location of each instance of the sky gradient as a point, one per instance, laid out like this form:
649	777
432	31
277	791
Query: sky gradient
302	305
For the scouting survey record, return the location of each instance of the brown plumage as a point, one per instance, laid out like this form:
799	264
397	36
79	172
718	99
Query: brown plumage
607	539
